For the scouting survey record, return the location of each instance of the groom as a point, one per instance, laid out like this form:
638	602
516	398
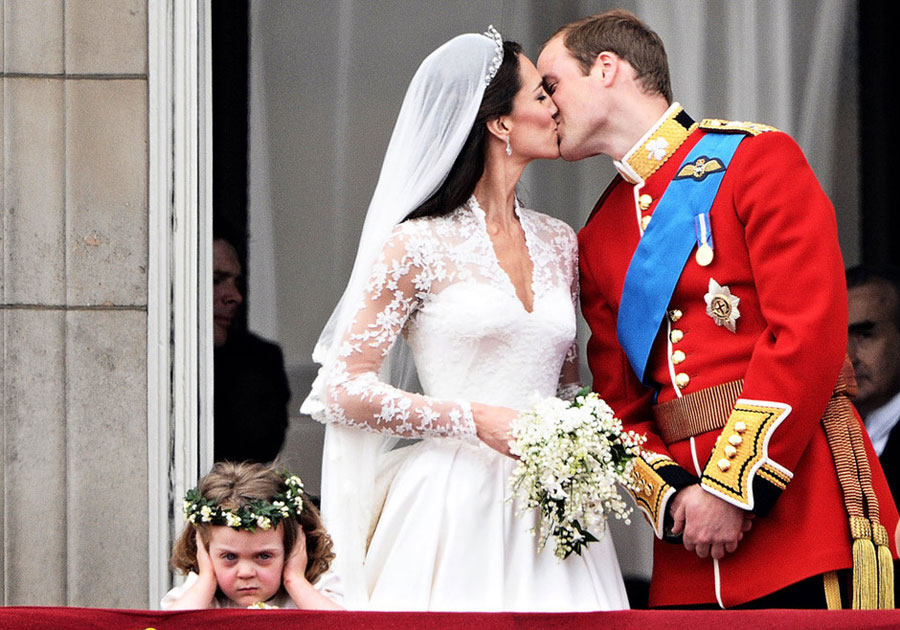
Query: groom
713	284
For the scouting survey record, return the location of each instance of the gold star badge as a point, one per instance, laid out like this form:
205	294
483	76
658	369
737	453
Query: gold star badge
722	306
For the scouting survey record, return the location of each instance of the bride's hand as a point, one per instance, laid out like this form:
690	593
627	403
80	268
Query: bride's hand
492	426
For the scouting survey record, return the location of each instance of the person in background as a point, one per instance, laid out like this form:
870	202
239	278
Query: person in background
873	344
251	387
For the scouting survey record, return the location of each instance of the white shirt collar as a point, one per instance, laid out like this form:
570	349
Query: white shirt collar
881	421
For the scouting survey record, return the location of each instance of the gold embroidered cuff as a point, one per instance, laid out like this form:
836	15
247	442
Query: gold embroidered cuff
656	479
740	468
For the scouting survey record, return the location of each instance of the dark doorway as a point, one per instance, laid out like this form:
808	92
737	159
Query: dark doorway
878	134
251	389
230	85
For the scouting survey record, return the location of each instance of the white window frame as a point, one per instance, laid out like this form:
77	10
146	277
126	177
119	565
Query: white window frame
179	287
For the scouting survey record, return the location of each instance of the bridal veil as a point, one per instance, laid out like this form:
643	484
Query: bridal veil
435	119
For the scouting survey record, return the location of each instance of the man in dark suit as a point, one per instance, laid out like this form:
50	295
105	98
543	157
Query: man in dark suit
251	387
874	348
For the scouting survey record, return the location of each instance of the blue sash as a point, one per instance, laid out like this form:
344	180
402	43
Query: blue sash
666	245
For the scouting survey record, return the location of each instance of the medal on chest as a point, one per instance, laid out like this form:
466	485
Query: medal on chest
722	306
702	228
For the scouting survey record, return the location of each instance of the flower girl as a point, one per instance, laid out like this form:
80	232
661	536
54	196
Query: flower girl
254	539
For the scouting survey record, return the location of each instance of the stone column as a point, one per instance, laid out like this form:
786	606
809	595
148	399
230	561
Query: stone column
73	464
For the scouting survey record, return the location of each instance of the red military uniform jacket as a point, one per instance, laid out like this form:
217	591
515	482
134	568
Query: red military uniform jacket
776	252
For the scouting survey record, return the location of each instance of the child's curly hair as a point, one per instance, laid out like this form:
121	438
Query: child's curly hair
231	485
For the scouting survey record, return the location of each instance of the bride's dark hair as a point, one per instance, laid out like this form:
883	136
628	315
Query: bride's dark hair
469	165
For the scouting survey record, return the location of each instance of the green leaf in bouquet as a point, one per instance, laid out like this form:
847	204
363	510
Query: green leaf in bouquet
584	391
576	546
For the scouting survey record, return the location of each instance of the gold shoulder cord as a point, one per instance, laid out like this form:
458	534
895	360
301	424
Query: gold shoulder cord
873	565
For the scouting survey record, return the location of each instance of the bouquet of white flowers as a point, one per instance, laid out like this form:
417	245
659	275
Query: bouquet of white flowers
572	457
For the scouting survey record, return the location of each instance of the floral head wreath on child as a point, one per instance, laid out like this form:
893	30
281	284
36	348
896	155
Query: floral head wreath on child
199	510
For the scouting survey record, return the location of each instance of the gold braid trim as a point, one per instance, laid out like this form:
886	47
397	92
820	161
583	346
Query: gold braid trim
659	144
832	591
735	126
873	571
741	451
865	565
885	561
650	490
885	566
698	412
773	476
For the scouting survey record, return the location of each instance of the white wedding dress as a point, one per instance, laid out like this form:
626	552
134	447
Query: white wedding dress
447	537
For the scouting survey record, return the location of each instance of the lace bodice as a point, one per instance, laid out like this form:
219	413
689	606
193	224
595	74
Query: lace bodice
438	283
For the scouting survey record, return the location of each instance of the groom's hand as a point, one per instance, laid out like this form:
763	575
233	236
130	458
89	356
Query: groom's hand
709	525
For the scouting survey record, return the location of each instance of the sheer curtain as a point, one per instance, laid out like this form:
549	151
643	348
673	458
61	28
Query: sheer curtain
784	63
326	83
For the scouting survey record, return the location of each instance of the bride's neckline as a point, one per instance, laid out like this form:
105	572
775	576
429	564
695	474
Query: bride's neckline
525	295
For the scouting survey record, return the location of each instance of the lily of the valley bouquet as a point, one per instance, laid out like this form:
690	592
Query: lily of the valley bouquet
573	456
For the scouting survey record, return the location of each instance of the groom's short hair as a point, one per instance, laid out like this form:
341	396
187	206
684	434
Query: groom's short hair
620	32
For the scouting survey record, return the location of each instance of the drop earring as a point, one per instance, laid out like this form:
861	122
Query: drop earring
508	148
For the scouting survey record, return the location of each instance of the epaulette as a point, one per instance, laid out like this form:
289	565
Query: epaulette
734	126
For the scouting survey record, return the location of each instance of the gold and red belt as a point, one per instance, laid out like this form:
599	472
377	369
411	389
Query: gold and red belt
698	412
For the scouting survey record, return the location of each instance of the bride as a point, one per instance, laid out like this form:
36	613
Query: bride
460	288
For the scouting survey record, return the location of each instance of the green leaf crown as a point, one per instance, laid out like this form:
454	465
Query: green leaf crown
258	513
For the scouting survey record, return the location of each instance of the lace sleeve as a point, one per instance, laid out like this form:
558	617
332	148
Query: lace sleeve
354	394
569	377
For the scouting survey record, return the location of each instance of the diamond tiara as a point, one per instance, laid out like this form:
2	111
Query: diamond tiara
498	53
